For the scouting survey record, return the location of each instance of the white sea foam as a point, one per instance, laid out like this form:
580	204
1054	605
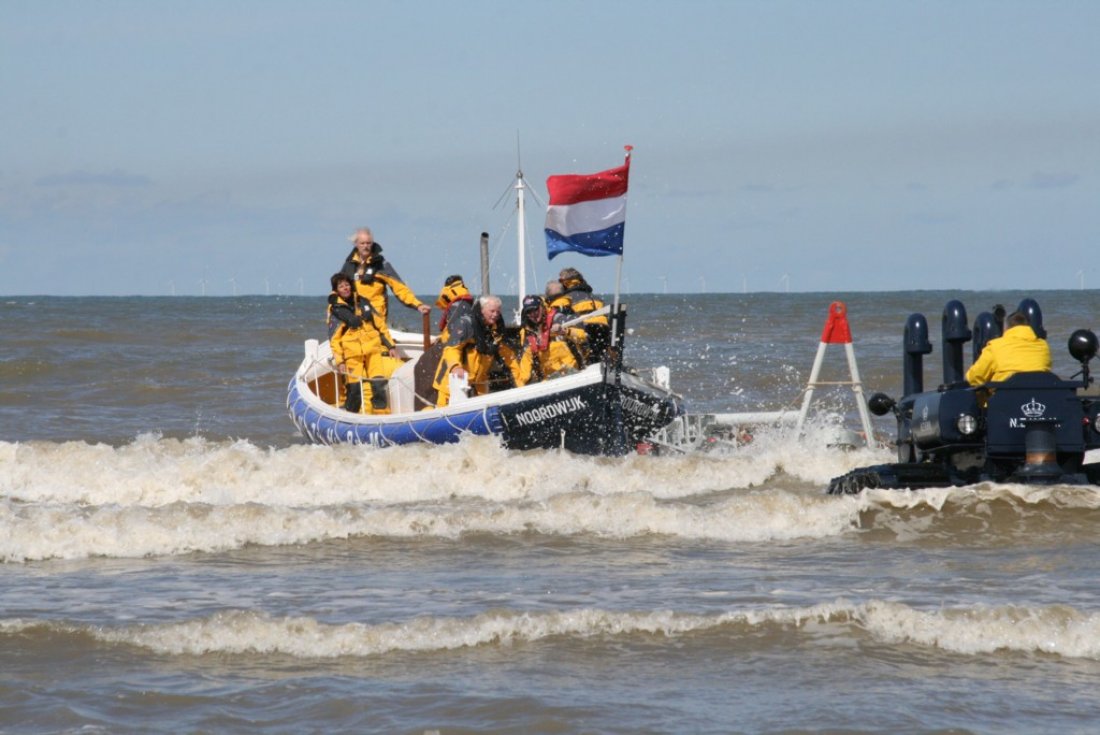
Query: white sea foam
153	472
811	459
34	531
939	499
1056	630
165	496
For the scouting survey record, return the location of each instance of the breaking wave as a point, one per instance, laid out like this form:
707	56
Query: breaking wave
1056	630
159	496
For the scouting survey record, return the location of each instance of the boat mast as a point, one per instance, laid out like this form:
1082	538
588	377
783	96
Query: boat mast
521	188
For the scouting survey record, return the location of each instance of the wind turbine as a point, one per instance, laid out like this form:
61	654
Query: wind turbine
1081	279
664	283
233	282
785	279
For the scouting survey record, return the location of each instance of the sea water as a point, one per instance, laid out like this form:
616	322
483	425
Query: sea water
175	558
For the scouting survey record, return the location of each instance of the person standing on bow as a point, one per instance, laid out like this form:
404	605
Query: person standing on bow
360	349
549	349
475	342
372	275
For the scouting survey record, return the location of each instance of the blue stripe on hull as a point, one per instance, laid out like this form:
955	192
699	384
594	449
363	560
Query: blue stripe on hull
433	429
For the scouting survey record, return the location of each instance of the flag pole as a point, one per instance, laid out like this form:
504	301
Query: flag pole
619	271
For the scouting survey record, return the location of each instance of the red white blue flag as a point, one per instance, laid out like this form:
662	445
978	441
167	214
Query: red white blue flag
587	212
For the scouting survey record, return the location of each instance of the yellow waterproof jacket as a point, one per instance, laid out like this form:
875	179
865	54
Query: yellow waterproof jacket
1019	350
474	346
581	301
546	355
560	302
371	280
355	341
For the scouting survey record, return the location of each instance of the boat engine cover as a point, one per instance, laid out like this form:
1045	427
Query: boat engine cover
935	416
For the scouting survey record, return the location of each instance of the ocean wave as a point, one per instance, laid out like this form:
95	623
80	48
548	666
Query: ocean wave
1085	497
158	496
38	531
969	631
155	471
986	513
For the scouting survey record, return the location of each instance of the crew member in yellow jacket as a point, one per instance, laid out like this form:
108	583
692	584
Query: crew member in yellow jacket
360	349
372	274
1019	350
454	300
578	300
549	349
475	341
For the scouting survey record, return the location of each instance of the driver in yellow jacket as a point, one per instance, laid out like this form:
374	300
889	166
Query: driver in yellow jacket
549	349
1019	350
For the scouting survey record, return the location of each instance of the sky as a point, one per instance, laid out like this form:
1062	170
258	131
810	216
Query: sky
226	147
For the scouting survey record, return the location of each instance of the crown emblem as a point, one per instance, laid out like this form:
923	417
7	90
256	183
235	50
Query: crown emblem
1033	409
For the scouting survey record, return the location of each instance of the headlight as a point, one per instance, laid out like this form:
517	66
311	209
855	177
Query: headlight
966	424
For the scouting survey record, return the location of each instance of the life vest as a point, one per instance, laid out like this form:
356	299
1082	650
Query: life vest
371	279
547	354
467	298
340	314
540	340
581	302
342	317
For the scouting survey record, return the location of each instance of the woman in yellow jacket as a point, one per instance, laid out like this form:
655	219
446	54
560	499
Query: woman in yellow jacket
360	350
548	348
1018	350
475	341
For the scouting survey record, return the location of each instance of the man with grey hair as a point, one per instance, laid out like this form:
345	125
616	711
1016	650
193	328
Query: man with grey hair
475	343
372	274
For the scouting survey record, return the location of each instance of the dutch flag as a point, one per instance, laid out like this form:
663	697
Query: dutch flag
587	212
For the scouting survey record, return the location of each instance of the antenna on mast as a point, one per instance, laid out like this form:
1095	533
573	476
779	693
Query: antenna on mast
522	190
